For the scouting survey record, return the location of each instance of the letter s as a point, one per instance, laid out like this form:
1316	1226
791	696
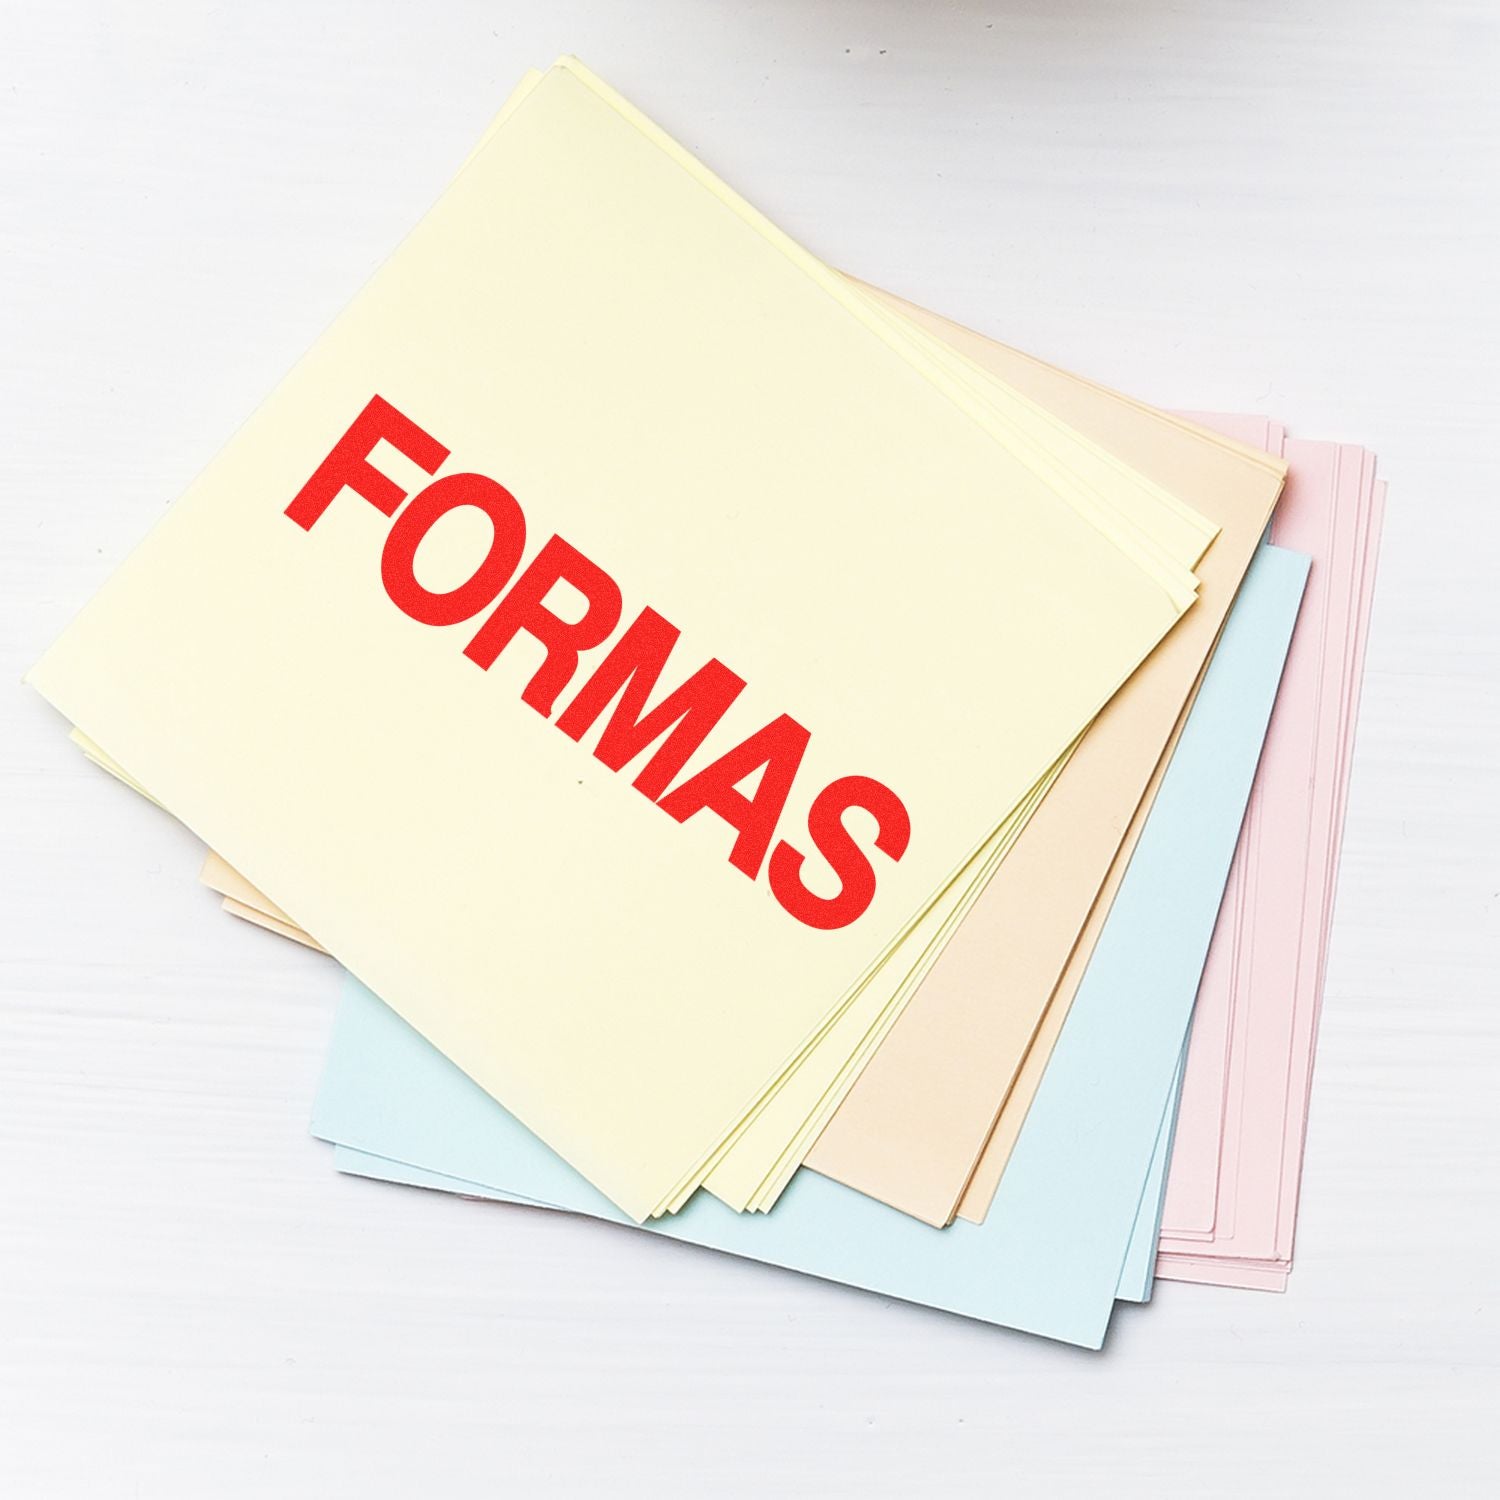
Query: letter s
825	822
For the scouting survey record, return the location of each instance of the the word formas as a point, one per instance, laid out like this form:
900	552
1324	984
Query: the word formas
623	681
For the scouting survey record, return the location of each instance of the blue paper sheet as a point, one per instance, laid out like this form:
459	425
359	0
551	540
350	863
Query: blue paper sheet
1049	1257
1138	1276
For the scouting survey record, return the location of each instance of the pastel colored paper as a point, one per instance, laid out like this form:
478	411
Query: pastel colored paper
624	398
1135	1281
1049	1257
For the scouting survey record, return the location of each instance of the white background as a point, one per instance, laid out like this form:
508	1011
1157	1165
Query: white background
1268	206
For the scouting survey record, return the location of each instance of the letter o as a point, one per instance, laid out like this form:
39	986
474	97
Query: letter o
398	560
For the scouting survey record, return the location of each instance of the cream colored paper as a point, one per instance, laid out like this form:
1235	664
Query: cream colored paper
754	1164
916	1122
687	400
258	918
1157	528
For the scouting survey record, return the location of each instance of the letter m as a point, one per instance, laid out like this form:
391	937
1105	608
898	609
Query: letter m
681	721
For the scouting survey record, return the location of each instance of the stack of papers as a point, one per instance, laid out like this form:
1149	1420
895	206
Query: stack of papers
911	694
1231	1195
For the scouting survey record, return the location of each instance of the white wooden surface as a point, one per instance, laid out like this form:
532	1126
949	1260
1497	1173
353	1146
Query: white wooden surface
1274	206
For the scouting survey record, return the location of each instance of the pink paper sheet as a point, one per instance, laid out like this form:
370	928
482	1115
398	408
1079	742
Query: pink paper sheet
1236	1167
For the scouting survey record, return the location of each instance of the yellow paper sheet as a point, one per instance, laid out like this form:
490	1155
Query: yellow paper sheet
1156	526
697	407
915	1127
753	1164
